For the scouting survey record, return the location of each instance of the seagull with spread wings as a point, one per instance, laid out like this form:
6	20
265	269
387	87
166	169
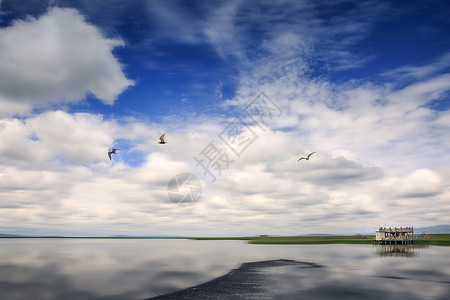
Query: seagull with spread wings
161	139
307	158
113	151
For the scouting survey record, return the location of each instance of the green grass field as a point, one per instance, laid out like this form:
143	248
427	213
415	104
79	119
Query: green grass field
435	239
301	240
311	240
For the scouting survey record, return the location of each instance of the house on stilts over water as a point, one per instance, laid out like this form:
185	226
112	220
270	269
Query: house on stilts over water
399	236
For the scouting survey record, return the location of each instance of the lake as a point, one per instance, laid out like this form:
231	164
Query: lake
144	268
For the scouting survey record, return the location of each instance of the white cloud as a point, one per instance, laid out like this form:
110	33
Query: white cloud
78	137
420	72
74	185
388	127
57	58
53	137
266	188
174	23
421	183
296	32
221	33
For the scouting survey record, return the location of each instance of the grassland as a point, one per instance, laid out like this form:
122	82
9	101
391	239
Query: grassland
435	239
302	240
314	240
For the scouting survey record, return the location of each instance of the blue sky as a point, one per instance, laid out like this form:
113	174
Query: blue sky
365	84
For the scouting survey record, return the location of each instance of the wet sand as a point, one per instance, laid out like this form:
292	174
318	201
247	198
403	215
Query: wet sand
246	282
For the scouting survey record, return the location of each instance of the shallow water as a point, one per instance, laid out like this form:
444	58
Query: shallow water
139	269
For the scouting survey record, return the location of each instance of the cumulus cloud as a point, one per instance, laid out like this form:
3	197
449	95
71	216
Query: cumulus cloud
78	137
421	183
386	126
57	58
54	136
339	171
74	185
68	181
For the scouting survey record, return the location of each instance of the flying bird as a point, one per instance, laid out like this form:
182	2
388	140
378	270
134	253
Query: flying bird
161	139
307	158
113	151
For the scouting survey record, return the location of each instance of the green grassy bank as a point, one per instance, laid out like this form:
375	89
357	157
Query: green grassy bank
435	239
306	240
312	240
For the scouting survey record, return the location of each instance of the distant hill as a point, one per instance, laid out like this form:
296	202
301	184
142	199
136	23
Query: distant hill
439	229
8	235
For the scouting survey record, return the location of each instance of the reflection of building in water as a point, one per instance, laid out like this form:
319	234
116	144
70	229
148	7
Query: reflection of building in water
396	236
397	250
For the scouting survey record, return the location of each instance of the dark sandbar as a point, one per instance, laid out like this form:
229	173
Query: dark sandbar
246	282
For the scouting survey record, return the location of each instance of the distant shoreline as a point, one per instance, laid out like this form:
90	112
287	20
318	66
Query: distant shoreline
433	239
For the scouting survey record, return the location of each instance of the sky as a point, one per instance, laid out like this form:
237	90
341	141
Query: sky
242	89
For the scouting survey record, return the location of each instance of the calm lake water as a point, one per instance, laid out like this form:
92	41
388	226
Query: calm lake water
139	269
